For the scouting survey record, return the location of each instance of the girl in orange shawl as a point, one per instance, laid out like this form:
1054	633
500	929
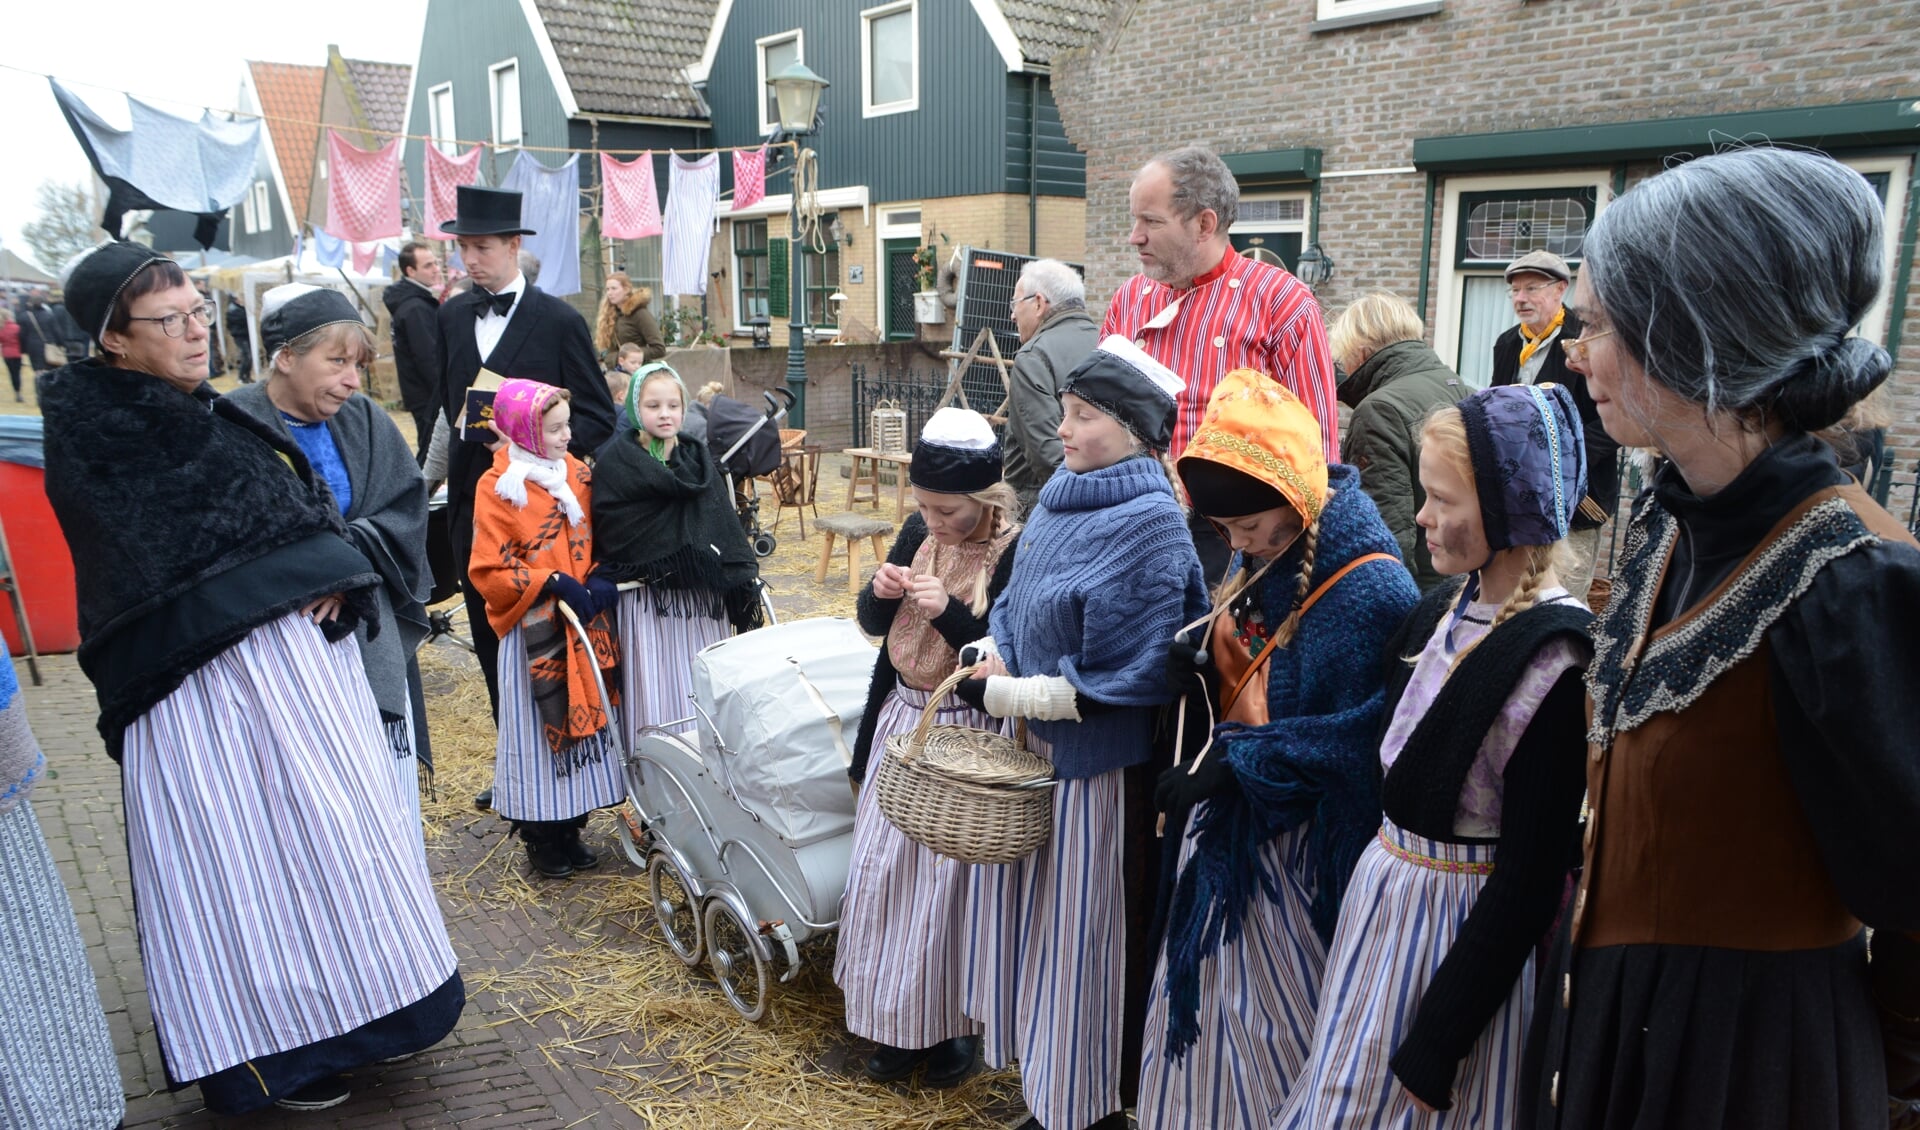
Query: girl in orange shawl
532	547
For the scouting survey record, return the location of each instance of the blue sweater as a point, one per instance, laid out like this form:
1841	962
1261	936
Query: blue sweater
1106	573
1315	762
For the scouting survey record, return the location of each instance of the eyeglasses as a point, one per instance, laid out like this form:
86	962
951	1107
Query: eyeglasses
175	325
1015	304
1577	347
1517	291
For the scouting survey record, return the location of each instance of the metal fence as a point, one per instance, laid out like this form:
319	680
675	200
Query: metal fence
918	392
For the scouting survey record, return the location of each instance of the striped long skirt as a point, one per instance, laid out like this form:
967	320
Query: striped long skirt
656	669
282	893
57	1066
1259	995
1045	956
527	784
1402	912
902	924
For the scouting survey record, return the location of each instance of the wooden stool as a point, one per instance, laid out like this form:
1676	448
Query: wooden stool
853	528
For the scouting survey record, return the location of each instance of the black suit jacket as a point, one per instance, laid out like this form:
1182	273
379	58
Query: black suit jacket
1603	454
546	341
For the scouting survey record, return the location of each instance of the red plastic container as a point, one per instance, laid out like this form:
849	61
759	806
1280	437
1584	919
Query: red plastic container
41	562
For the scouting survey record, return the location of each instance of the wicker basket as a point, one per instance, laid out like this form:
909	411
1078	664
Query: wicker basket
889	427
970	795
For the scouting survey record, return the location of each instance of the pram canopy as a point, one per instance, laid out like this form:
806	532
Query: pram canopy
779	710
729	419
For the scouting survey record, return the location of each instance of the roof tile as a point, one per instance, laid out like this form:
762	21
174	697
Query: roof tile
382	91
1048	27
290	102
620	59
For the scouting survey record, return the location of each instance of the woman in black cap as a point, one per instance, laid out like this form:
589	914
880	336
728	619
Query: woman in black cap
901	925
288	926
317	350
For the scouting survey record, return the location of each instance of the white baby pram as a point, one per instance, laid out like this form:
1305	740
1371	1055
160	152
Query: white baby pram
744	825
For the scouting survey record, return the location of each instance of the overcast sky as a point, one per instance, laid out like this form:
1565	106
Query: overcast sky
177	58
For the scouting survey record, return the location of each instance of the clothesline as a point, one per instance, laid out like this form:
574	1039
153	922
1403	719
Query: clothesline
790	143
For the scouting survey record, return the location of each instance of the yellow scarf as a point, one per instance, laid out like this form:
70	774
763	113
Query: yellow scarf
1533	340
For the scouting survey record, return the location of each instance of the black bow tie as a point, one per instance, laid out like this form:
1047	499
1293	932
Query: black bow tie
499	303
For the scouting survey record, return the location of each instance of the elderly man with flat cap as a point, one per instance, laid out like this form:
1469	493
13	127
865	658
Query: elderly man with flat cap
1530	353
507	326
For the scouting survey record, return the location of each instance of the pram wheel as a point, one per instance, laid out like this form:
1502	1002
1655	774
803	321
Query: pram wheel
673	909
763	544
736	960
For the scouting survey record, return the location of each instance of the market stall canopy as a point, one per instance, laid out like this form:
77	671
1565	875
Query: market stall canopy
202	167
16	269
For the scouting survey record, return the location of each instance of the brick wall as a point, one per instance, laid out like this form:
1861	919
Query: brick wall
1250	77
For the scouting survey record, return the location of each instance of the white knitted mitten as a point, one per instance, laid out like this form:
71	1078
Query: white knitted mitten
978	650
1049	698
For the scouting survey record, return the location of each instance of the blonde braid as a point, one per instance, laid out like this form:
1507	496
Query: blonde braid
1291	626
1542	560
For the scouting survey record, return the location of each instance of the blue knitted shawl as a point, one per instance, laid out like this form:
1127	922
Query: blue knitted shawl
1106	573
1312	764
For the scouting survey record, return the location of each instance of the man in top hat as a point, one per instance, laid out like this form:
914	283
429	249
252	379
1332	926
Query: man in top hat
1530	353
507	326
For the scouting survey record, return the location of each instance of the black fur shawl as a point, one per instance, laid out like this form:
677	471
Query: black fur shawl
190	523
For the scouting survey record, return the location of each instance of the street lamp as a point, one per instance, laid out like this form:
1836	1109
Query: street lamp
796	92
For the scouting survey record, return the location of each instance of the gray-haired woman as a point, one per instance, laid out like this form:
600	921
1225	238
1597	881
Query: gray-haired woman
1752	776
317	349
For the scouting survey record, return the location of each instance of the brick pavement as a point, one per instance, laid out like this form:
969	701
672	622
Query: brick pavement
506	1064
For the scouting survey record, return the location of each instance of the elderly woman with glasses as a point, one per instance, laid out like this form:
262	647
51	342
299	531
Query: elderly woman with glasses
288	927
1751	777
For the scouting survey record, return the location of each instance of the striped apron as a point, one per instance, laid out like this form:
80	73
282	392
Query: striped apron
56	1056
1258	998
282	893
526	781
1045	956
902	924
656	662
1403	910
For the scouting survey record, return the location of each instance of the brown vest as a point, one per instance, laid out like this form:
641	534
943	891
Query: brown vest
1695	835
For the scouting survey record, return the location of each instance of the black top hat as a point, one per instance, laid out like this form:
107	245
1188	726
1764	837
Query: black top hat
486	211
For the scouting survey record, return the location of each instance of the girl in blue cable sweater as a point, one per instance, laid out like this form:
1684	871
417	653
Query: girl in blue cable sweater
1106	574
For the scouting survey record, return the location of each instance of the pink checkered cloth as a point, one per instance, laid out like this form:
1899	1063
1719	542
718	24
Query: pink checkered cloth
629	205
444	175
363	190
749	177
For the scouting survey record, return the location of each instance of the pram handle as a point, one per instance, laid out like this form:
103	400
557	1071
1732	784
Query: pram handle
600	683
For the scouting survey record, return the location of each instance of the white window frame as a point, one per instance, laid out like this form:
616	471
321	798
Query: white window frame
262	207
1302	227
493	101
867	107
1453	285
247	223
445	134
799	38
1873	325
1340	9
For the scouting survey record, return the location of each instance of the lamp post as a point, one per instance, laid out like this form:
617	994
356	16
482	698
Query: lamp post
796	91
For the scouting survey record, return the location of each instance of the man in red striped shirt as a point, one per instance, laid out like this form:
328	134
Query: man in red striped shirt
1202	309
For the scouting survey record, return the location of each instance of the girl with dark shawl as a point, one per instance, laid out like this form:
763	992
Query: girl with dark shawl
1268	821
288	926
666	521
1752	772
532	547
901	926
1431	976
317	349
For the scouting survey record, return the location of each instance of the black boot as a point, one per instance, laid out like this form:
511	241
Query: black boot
546	849
888	1064
950	1061
582	857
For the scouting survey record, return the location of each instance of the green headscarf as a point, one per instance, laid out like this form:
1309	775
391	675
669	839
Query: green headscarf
655	445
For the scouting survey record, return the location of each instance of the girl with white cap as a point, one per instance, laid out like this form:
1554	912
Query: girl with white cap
901	924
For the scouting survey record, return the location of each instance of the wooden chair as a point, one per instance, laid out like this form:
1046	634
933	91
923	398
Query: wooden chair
796	485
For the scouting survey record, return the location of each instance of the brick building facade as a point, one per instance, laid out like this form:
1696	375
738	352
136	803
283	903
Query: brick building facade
1425	144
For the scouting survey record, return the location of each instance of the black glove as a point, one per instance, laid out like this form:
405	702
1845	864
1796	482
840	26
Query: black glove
574	594
1177	790
1187	662
973	692
606	593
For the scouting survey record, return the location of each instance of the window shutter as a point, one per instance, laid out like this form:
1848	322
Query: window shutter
778	286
